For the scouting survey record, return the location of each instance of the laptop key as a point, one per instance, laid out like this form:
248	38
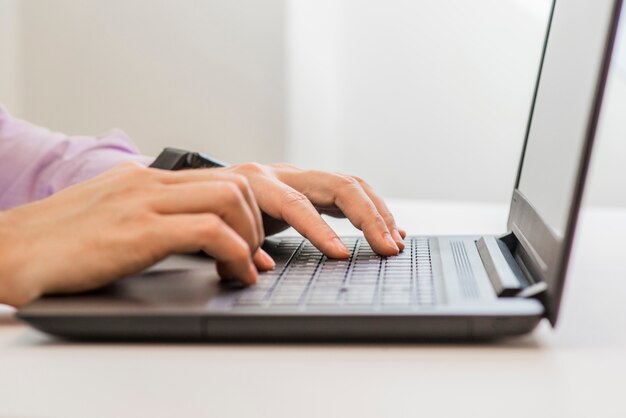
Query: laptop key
307	277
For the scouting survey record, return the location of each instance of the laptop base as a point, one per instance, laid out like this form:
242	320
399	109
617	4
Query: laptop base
182	299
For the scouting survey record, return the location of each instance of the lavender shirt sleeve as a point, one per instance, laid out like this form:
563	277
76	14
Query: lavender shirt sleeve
35	162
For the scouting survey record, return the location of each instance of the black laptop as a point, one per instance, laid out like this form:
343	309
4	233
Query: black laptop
439	287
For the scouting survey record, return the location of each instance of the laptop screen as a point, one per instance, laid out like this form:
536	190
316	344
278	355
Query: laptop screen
564	102
559	135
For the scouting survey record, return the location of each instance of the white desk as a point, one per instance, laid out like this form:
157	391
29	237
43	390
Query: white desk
577	370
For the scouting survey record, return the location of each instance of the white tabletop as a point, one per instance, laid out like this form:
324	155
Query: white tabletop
576	370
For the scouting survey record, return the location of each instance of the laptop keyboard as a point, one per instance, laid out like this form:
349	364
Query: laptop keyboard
305	277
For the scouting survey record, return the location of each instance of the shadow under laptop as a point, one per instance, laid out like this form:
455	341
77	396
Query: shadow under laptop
34	338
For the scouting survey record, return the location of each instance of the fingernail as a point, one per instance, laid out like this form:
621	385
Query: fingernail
340	246
397	238
391	243
267	259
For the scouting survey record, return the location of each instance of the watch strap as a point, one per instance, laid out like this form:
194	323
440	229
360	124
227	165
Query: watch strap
177	159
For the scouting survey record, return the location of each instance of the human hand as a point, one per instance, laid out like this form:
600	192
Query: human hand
292	196
122	222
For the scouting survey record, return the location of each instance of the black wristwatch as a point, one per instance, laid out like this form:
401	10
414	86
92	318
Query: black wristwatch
178	159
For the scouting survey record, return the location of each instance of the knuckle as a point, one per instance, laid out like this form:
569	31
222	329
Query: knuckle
362	182
240	253
251	168
388	217
285	166
374	221
211	225
139	223
150	231
127	193
241	181
140	176
160	176
347	181
231	193
133	169
143	217
129	166
293	197
137	193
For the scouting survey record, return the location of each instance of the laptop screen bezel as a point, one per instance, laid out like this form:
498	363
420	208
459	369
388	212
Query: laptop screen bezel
540	252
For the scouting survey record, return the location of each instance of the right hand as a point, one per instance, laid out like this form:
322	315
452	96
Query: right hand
122	222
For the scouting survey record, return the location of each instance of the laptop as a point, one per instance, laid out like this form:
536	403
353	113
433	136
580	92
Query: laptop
439	287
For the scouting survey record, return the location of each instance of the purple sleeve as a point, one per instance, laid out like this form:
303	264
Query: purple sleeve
35	163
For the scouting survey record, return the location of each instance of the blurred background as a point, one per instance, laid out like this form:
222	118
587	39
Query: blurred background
426	99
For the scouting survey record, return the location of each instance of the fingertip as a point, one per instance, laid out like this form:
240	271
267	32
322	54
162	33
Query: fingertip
340	249
403	233
391	244
334	249
263	260
246	276
399	240
388	252
341	256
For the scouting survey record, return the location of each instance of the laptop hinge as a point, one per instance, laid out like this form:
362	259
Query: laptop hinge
533	290
506	276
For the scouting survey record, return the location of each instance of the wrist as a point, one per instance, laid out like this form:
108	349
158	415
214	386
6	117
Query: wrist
16	288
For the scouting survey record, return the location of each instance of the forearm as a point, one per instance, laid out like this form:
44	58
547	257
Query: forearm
36	163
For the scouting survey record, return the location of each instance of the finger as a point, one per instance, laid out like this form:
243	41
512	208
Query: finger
384	211
203	175
220	197
263	261
283	202
361	211
254	207
347	194
209	233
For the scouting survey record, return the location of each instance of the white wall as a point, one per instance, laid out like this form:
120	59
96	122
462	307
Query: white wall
196	74
315	96
424	98
9	55
608	168
607	185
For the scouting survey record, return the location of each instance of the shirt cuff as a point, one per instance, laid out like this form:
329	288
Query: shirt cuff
112	149
103	154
